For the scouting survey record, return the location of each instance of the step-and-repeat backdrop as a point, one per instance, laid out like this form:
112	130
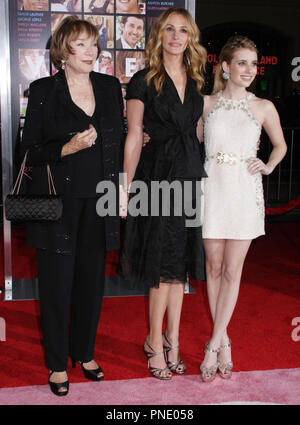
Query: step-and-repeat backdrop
32	23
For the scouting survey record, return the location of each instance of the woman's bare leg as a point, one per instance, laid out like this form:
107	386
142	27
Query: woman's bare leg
233	260
174	307
214	254
158	300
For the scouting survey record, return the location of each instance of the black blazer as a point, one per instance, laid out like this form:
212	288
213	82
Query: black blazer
51	120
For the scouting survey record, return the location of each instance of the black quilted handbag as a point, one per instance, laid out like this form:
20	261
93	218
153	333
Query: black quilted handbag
33	207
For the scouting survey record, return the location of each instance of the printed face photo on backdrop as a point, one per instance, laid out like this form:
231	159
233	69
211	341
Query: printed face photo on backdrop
35	5
58	6
131	6
99	6
128	63
33	64
56	19
105	26
130	32
106	63
66	5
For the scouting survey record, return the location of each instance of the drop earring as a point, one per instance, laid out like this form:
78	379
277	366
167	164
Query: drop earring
225	75
63	64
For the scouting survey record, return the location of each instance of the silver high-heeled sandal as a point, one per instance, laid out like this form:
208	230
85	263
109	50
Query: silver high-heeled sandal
208	374
225	369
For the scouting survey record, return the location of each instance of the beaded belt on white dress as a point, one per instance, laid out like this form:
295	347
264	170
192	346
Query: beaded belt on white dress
226	158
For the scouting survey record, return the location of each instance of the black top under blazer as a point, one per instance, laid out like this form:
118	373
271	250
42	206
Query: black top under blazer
51	121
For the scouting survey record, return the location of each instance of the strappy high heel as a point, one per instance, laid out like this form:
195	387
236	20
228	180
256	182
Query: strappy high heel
225	369
91	374
208	374
56	386
157	373
177	367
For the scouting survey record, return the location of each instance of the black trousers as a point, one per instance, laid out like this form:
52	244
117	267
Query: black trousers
71	289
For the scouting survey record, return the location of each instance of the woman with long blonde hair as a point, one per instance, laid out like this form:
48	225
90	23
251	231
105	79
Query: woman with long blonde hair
161	251
234	204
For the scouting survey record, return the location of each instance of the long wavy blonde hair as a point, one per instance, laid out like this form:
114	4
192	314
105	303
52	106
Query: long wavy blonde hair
194	57
233	43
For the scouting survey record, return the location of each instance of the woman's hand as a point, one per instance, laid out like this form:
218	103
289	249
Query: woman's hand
80	141
256	165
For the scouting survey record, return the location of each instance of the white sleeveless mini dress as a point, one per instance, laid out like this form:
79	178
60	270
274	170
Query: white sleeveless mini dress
233	198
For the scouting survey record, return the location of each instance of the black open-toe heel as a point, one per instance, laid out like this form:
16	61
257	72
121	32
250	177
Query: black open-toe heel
176	367
92	374
162	374
55	387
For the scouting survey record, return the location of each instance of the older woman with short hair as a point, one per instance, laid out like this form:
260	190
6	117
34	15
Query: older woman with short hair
74	124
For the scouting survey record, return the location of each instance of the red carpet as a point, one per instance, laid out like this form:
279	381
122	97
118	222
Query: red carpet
260	329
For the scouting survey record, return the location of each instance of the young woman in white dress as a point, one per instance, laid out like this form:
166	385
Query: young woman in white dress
233	193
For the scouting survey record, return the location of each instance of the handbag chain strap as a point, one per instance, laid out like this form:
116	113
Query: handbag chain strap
50	181
17	185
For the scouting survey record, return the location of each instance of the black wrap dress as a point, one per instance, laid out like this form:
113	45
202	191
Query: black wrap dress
162	248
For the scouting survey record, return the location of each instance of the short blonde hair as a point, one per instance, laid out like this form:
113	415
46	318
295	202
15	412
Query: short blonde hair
67	31
194	57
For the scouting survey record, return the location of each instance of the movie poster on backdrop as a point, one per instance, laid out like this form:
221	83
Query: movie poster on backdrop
124	28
